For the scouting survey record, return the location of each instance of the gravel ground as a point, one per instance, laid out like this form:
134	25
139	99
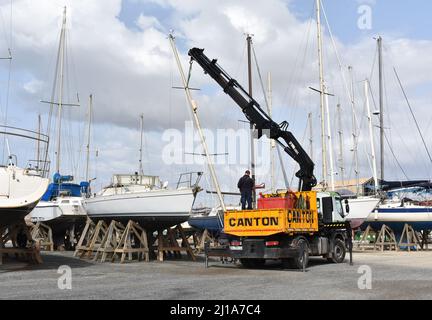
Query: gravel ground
394	275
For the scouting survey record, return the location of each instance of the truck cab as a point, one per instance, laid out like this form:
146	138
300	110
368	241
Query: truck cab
330	207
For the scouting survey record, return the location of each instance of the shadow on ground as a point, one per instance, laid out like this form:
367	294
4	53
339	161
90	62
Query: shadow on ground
50	261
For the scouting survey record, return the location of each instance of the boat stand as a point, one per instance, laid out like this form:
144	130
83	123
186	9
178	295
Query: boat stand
200	240
365	242
85	237
91	239
42	235
110	242
386	239
23	246
133	240
409	239
168	244
425	239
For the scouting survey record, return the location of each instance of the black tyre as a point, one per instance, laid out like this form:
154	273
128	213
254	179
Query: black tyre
301	259
252	263
338	252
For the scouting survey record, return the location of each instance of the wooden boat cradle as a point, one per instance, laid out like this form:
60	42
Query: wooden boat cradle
30	253
386	239
102	242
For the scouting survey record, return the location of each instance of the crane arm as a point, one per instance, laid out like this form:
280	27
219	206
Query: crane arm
257	116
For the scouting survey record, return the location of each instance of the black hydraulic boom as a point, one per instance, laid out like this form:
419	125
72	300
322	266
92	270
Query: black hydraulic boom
257	116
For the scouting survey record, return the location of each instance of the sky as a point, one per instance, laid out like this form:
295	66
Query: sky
119	52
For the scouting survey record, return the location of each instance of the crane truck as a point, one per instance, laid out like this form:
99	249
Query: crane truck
287	226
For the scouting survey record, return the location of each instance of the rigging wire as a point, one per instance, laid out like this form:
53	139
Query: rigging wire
287	184
388	141
412	114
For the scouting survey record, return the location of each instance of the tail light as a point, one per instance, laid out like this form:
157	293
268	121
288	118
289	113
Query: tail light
272	243
236	243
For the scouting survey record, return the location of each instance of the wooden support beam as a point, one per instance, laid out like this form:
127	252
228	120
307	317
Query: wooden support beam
409	239
386	240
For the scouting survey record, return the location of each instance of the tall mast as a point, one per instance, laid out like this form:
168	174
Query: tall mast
60	100
322	92
87	178
381	106
141	145
330	143
38	142
354	133
371	138
310	124
193	105
272	142
252	140
341	155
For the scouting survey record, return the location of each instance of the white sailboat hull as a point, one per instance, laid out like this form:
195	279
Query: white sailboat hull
47	211
360	209
153	208
395	215
61	215
20	191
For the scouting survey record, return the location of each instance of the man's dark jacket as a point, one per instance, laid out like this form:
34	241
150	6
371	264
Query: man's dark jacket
245	184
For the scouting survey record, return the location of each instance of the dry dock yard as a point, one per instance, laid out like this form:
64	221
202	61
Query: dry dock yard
374	275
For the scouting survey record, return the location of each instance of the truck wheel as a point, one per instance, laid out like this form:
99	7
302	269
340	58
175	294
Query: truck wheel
338	253
252	263
297	262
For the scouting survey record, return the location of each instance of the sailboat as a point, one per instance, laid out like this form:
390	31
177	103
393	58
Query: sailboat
21	188
61	206
409	205
144	198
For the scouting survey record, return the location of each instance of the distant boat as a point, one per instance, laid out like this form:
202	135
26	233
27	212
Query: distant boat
144	199
212	221
360	209
61	207
405	205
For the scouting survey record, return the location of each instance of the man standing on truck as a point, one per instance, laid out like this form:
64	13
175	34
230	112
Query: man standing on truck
246	185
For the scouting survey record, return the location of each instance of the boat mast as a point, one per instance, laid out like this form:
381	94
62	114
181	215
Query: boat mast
61	83
272	142
88	137
193	105
341	155
354	133
38	142
141	145
381	106
371	137
310	135
322	92
330	143
252	140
